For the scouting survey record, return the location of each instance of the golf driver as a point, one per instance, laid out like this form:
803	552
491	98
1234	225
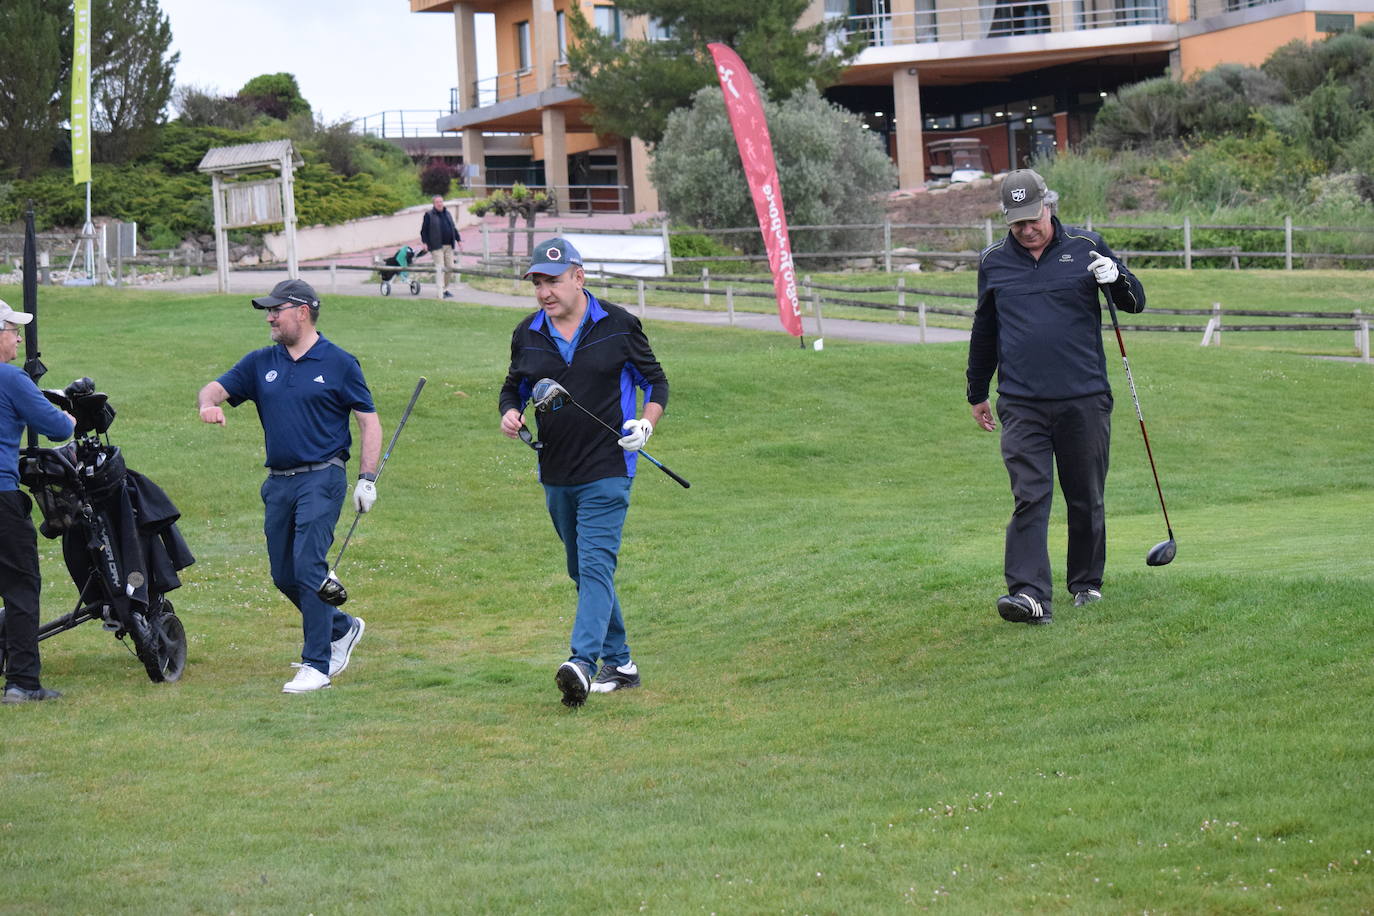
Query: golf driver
331	590
549	395
1162	553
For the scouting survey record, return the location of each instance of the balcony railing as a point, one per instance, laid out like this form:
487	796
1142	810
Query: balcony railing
1002	19
417	122
512	85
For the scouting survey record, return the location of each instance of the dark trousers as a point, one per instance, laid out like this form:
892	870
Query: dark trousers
19	584
299	518
1074	435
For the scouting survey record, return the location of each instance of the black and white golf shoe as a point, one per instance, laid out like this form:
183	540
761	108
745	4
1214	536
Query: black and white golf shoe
1087	596
1022	608
575	680
613	677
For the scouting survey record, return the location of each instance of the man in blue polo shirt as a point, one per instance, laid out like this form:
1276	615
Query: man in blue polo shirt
304	388
21	404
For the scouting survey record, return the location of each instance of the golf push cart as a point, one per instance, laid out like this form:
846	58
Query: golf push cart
119	535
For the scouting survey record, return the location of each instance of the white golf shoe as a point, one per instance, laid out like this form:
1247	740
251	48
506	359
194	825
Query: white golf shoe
341	649
307	679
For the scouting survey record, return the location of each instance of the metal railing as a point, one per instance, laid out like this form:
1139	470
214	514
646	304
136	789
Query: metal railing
414	122
516	83
1000	20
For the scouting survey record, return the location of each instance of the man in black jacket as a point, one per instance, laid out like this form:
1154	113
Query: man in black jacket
1038	325
439	234
600	354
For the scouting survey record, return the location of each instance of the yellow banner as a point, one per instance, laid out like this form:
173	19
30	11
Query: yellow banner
81	93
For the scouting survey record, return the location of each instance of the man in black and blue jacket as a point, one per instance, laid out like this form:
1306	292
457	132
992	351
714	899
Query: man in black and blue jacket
599	353
1038	325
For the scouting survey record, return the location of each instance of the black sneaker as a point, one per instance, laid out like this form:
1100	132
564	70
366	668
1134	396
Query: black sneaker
613	677
448	295
21	695
575	680
1087	596
1022	608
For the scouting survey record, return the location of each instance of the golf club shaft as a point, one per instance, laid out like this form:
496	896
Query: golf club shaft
415	396
650	458
1135	399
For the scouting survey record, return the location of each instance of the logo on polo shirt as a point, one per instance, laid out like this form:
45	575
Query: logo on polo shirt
271	375
318	378
1066	258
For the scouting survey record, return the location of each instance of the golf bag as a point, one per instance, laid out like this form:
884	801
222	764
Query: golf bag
398	263
119	535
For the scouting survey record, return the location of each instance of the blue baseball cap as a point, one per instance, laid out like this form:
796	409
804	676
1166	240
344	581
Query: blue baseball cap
553	257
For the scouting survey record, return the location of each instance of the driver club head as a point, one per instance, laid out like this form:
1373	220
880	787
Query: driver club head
1162	554
548	395
332	591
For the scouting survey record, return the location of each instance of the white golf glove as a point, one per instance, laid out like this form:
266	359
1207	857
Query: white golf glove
637	432
1104	269
364	495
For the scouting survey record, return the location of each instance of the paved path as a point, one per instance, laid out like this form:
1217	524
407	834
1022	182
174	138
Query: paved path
358	283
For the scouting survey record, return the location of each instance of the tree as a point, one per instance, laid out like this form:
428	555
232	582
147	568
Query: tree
131	76
35	77
516	202
276	95
701	181
633	85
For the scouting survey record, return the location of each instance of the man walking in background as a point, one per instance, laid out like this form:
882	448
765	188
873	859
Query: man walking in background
439	234
600	354
305	388
1038	325
21	405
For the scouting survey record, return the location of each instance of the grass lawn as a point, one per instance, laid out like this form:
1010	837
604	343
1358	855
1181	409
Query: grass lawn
833	718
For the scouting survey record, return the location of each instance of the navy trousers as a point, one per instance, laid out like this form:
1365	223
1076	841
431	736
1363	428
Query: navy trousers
299	518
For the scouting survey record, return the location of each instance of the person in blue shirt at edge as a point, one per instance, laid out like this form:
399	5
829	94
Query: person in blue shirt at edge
598	352
1038	325
304	388
21	405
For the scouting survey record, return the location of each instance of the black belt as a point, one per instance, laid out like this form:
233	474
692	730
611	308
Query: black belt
304	468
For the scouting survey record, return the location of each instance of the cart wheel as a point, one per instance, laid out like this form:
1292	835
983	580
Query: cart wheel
415	287
143	633
386	288
172	648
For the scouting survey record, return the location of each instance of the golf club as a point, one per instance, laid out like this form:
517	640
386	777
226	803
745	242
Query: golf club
1162	553
331	590
549	395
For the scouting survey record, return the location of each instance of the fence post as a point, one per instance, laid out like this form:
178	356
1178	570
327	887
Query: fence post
901	298
987	230
887	245
1288	243
1361	334
667	251
44	267
486	244
816	307
706	285
119	262
640	285
1089	224
1216	313
605	290
809	294
1187	243
730	303
922	308
333	276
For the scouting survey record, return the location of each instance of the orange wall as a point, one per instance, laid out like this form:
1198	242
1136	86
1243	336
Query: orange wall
575	143
1249	44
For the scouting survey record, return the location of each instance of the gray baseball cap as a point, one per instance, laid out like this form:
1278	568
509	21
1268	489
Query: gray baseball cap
1023	195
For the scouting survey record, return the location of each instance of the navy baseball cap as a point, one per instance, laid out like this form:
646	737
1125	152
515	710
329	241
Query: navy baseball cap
289	292
553	257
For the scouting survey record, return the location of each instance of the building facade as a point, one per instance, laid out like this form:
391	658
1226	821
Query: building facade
1021	77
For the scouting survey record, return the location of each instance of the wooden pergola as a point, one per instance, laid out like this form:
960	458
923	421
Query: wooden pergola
241	203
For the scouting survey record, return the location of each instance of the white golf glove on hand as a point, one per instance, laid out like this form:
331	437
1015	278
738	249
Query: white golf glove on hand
637	432
1104	269
364	495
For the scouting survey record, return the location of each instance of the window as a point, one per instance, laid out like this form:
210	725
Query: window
607	21
562	19
522	44
657	31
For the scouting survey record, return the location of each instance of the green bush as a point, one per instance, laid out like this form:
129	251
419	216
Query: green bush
696	245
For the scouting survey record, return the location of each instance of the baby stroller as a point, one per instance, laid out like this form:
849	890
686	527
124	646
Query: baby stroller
400	261
119	535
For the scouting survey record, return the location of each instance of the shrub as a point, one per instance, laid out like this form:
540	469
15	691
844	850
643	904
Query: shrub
1144	116
436	178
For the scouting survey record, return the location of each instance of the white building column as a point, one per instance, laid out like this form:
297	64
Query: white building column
465	41
906	93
